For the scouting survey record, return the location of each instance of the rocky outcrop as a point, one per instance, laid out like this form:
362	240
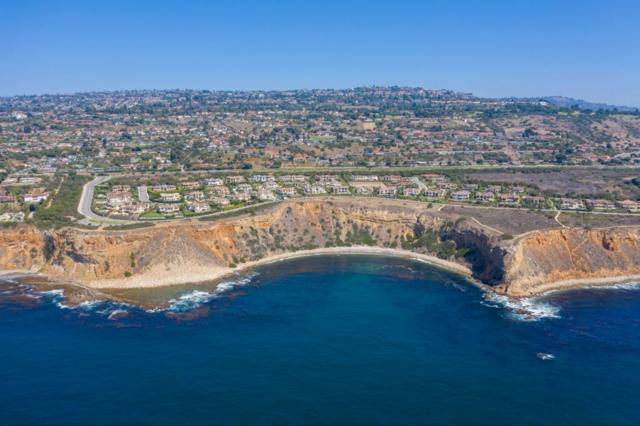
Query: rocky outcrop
565	258
534	263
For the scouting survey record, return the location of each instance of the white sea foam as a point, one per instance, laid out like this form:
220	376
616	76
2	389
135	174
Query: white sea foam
190	301
196	298
525	309
545	356
114	314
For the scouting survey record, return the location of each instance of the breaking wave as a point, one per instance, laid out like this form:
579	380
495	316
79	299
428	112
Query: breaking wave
526	309
196	298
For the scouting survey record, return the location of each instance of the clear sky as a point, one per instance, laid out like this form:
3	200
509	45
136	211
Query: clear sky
586	49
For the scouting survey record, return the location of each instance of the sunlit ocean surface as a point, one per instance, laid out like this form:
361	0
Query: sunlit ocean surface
321	340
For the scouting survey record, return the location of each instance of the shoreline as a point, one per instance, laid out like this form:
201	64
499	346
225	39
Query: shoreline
202	275
566	286
215	273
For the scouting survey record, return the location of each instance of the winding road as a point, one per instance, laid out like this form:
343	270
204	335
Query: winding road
84	206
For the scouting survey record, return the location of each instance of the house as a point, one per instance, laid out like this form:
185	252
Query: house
234	180
485	197
509	200
7	199
600	204
387	191
261	178
241	196
338	189
266	195
571	204
293	178
222	202
287	191
460	195
195	196
163	188
170	197
168	208
434	193
198	207
534	201
244	187
314	190
629	205
411	191
118	198
213	182
121	188
36	196
364	178
434	178
135	208
191	185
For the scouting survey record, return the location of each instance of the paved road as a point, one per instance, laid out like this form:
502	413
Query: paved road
417	181
143	195
84	206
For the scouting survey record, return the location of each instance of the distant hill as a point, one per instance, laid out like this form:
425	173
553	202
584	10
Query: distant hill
565	102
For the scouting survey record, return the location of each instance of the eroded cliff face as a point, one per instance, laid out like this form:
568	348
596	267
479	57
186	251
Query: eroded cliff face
535	263
89	256
564	258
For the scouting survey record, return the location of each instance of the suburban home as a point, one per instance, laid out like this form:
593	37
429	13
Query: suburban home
293	178
195	196
434	178
213	182
287	191
7	199
121	188
163	188
485	197
629	205
534	201
168	208
118	198
198	207
261	178
36	196
600	204
510	200
234	180
191	185
266	195
434	193
364	178
314	190
387	191
222	202
571	204
170	197
339	189
460	196
411	191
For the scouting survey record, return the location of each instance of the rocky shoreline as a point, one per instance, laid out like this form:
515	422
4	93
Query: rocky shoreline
528	265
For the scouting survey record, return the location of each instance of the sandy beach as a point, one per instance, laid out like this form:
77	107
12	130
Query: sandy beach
195	275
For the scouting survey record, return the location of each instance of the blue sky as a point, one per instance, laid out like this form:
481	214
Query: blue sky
586	49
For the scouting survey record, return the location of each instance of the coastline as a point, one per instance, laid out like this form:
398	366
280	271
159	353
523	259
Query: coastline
578	284
154	279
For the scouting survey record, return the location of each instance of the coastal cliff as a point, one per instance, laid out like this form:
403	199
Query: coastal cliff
193	251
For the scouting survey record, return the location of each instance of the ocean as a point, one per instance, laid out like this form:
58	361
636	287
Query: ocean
358	340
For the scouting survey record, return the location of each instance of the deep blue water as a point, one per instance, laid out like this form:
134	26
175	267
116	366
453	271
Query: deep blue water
324	340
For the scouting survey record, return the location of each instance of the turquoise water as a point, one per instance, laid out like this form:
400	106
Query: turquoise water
324	340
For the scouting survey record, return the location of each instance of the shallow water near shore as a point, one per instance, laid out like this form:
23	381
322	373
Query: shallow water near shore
334	339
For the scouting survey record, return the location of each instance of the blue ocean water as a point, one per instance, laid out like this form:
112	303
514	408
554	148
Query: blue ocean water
324	340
